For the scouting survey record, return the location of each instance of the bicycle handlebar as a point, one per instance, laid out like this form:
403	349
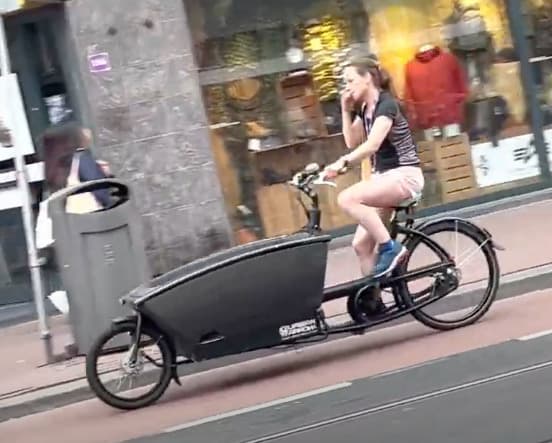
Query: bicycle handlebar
311	175
305	180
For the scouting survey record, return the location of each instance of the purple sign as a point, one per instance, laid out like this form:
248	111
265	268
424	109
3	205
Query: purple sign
99	62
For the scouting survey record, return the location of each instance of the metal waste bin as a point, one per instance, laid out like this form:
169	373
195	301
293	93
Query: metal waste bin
101	257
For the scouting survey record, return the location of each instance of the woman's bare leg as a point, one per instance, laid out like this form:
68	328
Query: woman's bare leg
364	244
360	202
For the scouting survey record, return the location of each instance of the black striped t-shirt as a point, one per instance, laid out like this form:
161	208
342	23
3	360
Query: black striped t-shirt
398	148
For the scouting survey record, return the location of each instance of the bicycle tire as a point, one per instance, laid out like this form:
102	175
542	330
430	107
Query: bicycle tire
112	400
475	234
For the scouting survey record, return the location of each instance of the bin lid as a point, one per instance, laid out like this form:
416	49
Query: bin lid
57	201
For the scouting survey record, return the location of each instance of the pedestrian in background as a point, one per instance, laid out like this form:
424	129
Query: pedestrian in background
69	161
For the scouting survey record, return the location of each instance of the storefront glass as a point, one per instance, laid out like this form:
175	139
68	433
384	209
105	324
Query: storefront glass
35	97
15	284
270	75
538	30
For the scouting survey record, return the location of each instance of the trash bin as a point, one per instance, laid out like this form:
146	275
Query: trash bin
101	257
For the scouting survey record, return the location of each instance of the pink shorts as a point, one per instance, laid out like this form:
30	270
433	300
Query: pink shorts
409	180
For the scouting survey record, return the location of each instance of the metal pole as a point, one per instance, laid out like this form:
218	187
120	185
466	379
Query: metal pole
26	210
4	55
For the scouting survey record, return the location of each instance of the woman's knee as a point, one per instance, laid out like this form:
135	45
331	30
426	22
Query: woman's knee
346	198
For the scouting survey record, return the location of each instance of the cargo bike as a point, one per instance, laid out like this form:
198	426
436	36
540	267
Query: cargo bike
270	293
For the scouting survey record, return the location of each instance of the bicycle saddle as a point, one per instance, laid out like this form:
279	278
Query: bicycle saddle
410	202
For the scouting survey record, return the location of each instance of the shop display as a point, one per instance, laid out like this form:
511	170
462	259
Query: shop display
486	117
505	81
272	168
58	109
244	93
543	29
548	140
454	68
242	50
305	118
450	160
514	159
469	39
546	99
435	89
322	41
273	43
215	103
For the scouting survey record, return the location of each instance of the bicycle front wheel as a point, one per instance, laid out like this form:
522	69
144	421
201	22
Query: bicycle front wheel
476	268
122	381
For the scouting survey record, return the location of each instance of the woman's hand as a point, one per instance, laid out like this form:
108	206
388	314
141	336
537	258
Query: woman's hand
347	101
336	168
105	167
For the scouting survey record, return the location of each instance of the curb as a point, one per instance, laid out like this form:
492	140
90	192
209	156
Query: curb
19	405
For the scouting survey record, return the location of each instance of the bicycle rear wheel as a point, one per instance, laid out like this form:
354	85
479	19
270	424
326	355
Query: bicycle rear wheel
475	293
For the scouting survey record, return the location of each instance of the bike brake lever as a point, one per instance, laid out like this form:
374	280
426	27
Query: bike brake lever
321	181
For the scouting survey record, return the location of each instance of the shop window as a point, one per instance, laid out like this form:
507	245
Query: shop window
270	75
15	285
538	30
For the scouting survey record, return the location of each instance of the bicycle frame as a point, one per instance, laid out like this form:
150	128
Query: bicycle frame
201	312
313	227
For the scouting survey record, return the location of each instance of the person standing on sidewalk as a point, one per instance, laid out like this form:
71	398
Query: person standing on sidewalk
68	161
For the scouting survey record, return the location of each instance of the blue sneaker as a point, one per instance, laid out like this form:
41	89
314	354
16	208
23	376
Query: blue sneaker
389	256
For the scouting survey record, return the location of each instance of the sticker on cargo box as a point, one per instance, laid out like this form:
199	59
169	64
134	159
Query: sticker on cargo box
300	328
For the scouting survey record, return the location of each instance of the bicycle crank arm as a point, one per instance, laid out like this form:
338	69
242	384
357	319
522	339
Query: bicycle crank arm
394	315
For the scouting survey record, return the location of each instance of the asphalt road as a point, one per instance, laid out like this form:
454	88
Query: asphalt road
501	393
349	378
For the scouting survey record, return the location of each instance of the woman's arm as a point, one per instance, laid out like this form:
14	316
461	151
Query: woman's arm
353	131
90	170
380	129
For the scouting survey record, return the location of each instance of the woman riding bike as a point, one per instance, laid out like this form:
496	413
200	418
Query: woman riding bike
397	174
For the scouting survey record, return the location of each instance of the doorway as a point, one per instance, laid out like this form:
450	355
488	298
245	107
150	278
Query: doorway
40	55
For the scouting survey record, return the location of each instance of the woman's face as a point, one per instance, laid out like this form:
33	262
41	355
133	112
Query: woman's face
355	84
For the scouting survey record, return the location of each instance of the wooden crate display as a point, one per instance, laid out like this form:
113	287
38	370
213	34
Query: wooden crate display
332	215
450	160
302	105
281	212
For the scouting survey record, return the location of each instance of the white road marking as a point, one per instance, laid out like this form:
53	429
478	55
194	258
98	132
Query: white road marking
260	406
535	335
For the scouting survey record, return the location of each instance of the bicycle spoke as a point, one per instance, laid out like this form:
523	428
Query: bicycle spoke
466	300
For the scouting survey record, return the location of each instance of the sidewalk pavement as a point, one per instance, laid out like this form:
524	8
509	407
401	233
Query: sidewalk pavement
28	386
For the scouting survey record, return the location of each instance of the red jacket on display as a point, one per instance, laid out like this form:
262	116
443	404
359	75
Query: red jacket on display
435	89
